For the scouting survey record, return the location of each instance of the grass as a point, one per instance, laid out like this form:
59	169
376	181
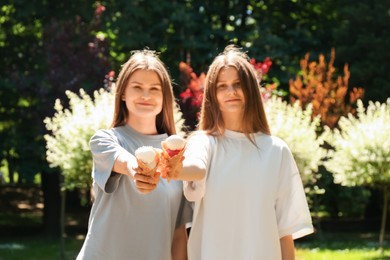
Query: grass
343	246
38	248
332	246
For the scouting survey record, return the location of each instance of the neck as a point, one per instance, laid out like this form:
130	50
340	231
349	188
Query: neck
146	126
233	123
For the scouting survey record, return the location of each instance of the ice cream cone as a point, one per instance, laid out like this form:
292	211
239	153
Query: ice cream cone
173	161
148	168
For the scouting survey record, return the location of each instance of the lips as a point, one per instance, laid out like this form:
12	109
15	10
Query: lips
144	104
233	100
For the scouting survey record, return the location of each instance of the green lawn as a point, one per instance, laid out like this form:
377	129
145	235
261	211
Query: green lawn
347	245
317	247
37	248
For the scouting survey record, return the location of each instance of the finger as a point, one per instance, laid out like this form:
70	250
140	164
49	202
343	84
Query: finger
145	185
145	178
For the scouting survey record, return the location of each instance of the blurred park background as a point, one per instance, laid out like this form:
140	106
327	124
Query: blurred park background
324	70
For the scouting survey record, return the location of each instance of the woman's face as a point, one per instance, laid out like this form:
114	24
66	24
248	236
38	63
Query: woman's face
143	94
230	96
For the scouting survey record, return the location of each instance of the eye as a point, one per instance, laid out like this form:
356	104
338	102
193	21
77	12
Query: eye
137	87
221	87
155	89
237	84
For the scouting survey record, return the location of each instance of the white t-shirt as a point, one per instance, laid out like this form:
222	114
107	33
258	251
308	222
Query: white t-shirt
123	223
250	198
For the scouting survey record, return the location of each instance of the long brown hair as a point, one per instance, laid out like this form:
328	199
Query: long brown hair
254	119
145	60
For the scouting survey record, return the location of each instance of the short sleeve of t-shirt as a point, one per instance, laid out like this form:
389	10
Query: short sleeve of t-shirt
198	149
105	149
292	211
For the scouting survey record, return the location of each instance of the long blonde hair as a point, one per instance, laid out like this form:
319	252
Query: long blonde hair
254	119
145	60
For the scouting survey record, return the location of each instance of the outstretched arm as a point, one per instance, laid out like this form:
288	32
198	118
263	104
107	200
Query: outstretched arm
125	164
185	170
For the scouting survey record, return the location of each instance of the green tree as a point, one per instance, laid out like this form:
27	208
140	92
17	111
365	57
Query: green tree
361	155
45	49
286	30
362	39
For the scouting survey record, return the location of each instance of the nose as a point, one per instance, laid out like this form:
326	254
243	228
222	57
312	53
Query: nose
145	94
231	89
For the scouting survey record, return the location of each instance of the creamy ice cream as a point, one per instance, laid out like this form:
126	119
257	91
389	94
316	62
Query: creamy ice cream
147	158
174	144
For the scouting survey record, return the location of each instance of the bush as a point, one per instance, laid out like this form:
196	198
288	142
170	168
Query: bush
70	130
361	154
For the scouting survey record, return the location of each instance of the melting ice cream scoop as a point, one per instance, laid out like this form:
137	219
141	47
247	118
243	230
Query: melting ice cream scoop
174	144
147	154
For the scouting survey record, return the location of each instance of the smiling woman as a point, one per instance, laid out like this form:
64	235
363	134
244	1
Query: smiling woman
238	174
123	222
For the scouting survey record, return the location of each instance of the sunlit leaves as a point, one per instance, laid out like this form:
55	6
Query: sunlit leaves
361	154
71	128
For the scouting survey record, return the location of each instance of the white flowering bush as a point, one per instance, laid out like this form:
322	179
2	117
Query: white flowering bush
67	144
361	154
299	130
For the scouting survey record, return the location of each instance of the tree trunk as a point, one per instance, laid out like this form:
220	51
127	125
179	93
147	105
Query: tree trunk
384	219
52	203
62	223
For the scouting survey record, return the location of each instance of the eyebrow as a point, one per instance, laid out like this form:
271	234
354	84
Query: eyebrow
140	83
224	81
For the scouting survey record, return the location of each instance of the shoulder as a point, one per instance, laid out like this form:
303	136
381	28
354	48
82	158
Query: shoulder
199	136
111	133
282	147
200	140
275	143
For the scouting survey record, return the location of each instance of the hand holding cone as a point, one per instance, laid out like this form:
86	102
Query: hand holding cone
172	152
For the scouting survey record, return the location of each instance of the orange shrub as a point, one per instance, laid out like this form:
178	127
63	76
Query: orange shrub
316	84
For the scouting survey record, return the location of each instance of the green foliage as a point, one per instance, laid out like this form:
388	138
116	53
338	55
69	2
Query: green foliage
339	201
46	49
362	39
361	154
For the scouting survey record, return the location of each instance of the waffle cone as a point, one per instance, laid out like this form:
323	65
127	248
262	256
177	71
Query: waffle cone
174	160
